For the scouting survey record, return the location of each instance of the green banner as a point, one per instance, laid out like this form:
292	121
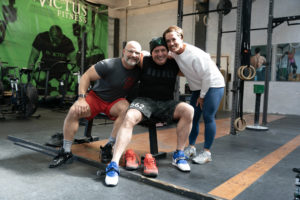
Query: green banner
41	33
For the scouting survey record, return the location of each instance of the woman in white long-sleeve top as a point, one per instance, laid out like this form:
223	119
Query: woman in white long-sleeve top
207	85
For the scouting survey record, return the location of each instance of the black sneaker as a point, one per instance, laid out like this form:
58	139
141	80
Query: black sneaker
61	158
106	153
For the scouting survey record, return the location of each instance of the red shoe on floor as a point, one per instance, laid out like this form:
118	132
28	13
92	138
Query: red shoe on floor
131	160
150	168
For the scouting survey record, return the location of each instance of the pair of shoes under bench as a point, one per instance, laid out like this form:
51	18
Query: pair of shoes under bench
113	171
131	163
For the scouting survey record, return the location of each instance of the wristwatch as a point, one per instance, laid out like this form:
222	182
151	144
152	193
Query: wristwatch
81	95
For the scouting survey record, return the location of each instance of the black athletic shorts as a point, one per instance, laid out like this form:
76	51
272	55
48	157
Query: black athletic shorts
157	110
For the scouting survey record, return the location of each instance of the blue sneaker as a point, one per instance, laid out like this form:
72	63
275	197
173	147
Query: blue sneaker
112	174
179	160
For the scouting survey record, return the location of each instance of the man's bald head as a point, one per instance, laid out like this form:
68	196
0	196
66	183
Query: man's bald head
132	53
133	44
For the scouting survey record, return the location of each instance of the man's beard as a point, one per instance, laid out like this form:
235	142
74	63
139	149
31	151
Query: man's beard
131	61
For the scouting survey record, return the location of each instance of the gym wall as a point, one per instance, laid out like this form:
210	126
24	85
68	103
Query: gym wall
283	96
150	21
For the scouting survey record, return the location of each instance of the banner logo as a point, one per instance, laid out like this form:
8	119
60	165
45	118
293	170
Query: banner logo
67	9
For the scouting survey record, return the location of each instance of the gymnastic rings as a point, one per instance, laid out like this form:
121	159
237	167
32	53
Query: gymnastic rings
246	72
205	19
240	124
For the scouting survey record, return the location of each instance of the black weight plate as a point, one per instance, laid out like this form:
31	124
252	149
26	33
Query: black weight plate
31	100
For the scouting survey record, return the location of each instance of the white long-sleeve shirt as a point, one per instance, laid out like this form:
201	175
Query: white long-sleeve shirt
199	69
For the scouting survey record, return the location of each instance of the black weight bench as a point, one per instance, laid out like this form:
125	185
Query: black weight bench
151	124
87	137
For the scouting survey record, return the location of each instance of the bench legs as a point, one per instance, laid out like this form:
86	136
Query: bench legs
87	134
153	143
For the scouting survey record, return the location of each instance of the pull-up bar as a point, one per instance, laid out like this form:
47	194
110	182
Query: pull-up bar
205	12
280	20
276	22
253	29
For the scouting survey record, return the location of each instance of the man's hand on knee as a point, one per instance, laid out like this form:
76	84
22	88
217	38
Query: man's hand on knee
81	107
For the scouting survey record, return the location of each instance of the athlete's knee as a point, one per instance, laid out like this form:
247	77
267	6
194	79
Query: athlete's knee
132	118
75	113
188	112
185	112
72	112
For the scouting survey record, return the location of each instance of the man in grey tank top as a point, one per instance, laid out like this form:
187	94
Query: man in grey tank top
114	79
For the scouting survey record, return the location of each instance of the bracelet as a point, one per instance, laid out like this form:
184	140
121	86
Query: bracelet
81	95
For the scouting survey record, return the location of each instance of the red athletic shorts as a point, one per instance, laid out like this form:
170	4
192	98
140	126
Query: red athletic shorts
98	105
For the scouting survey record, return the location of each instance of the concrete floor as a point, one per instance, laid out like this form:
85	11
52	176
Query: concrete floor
25	174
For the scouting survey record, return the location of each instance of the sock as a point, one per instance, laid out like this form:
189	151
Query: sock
111	140
67	145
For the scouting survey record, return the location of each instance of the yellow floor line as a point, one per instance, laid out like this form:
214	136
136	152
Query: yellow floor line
237	184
